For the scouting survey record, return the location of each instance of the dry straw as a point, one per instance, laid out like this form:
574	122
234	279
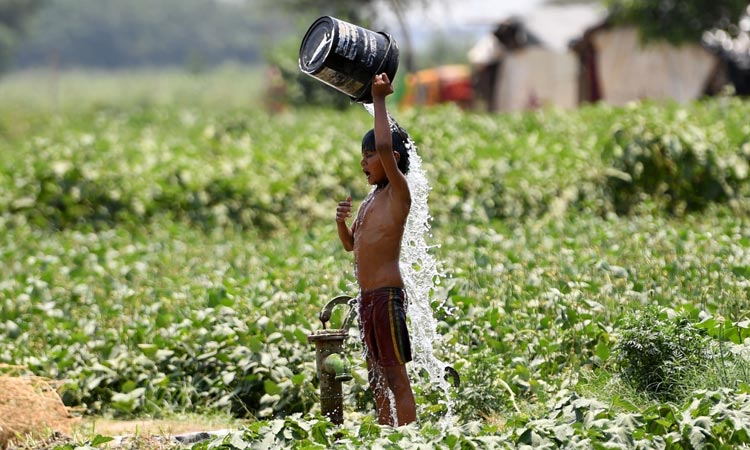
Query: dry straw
30	407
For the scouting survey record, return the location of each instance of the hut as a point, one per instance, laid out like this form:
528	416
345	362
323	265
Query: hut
564	55
617	67
734	51
526	62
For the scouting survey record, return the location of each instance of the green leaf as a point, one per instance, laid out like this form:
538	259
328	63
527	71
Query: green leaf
319	432
369	430
148	349
255	344
602	350
271	388
742	271
395	436
128	386
298	379
99	440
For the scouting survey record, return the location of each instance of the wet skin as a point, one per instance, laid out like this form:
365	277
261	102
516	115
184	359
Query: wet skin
375	239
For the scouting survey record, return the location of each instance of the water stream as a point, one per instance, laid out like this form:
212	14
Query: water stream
421	272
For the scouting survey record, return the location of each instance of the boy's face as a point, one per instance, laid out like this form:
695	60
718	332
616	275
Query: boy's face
372	167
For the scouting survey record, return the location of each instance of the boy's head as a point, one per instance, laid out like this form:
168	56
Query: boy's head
399	138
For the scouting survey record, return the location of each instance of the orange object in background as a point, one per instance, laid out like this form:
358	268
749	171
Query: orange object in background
443	84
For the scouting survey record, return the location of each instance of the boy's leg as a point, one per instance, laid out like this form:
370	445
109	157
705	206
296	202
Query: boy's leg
398	381
378	386
389	336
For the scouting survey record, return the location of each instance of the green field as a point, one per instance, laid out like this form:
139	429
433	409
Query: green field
167	245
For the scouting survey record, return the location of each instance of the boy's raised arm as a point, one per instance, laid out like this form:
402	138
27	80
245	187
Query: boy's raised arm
381	87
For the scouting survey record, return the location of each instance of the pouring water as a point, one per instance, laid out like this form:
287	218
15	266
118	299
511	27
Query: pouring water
421	273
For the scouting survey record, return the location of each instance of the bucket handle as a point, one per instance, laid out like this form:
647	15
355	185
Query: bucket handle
377	71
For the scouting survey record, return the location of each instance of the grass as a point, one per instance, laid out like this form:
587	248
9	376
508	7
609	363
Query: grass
48	89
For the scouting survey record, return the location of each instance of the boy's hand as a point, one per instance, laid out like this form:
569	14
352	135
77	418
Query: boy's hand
381	86
344	210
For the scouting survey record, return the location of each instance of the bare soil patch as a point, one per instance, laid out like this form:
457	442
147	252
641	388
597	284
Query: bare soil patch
152	427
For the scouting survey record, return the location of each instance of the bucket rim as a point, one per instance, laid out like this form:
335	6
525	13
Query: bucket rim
334	32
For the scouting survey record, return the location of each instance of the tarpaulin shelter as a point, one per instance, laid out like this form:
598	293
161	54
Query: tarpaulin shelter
526	62
617	67
564	55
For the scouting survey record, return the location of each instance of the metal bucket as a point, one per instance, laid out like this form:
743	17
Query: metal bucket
347	57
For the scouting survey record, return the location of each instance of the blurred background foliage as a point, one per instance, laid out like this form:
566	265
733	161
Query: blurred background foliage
677	22
13	17
198	35
125	33
130	33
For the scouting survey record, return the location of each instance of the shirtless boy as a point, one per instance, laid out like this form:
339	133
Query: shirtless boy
375	237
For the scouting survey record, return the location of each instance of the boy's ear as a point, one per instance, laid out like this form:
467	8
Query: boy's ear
397	155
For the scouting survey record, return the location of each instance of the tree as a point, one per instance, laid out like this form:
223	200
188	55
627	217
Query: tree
13	17
571	2
676	21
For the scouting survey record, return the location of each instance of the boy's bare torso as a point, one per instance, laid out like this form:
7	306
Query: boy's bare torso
378	230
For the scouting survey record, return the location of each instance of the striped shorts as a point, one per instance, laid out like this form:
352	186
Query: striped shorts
382	324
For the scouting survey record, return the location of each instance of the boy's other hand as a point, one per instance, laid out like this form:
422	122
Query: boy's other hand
344	210
381	86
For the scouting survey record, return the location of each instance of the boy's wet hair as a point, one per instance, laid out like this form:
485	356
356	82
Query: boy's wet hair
399	137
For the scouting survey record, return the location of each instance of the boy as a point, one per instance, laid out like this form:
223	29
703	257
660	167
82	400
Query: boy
375	238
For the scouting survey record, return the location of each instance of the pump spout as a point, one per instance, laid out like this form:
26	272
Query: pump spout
338	366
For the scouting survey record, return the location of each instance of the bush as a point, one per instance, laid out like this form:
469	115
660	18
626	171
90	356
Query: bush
676	164
676	22
658	351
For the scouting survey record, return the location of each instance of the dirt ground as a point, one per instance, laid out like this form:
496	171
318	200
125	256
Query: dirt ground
145	434
160	427
32	415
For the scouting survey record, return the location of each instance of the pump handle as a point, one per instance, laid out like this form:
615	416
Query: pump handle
327	311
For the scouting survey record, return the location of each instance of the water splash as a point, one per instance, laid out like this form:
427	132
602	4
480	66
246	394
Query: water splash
392	402
421	273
